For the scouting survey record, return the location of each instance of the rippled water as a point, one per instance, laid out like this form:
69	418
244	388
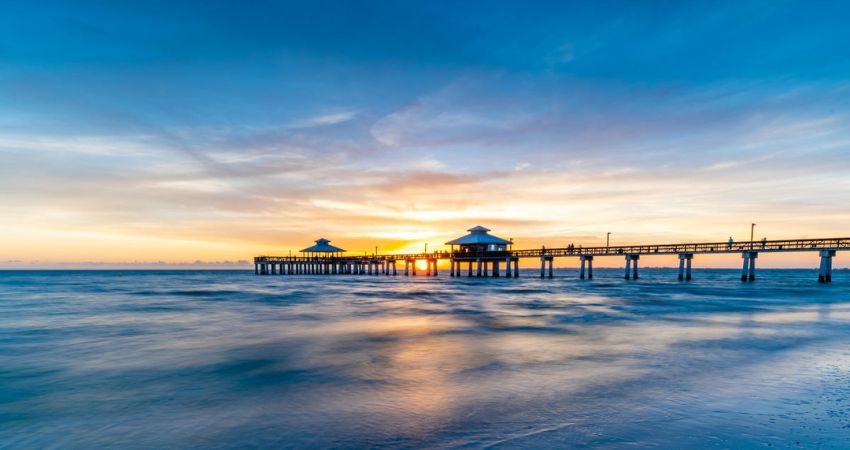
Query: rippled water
229	359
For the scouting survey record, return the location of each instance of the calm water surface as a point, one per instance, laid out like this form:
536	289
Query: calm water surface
187	359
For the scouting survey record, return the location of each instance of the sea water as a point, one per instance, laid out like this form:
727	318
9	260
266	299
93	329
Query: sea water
227	359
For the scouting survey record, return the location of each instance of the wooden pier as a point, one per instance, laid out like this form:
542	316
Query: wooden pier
482	255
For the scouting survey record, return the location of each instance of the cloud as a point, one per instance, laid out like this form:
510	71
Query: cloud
324	120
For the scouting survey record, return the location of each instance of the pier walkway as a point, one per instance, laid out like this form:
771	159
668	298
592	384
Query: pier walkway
481	262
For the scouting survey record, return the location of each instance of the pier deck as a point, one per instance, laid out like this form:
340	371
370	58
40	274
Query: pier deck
487	263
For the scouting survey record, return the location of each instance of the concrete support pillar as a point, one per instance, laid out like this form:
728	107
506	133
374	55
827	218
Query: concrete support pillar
828	276
542	267
256	269
435	266
406	267
825	273
496	269
628	267
395	269
581	269
516	268
685	266
469	274
635	259
479	267
748	272
451	267
589	259
551	263
413	267
681	267
486	267
508	267
753	256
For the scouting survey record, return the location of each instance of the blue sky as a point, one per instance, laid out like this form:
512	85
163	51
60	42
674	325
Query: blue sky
176	130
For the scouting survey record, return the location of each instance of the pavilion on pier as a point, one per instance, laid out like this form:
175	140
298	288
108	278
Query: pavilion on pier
483	249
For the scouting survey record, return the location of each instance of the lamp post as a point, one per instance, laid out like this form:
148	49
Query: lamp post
608	240
376	251
752	230
426	248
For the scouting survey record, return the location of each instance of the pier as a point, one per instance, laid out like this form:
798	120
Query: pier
479	254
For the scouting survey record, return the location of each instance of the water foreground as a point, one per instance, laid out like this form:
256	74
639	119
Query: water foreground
226	359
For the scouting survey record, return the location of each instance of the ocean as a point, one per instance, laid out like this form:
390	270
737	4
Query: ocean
227	359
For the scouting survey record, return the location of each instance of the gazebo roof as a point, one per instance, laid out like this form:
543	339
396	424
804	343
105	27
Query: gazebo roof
478	235
322	246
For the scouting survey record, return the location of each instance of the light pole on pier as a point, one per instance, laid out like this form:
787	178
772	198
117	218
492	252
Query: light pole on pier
376	251
426	248
752	230
608	240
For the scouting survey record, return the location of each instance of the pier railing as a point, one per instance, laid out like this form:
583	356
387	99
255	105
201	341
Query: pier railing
383	263
785	245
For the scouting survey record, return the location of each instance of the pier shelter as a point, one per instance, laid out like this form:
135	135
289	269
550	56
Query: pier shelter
484	250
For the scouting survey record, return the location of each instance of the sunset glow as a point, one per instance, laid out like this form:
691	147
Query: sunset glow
120	144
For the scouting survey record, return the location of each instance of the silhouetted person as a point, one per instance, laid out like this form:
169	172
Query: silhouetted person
730	242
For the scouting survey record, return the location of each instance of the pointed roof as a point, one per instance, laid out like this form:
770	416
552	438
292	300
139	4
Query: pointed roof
478	235
322	246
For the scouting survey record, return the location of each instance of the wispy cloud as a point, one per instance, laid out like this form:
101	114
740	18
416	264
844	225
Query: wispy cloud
324	119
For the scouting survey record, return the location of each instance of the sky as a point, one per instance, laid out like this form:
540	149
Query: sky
174	132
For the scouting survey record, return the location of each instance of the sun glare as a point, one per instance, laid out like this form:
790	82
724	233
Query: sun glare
422	264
